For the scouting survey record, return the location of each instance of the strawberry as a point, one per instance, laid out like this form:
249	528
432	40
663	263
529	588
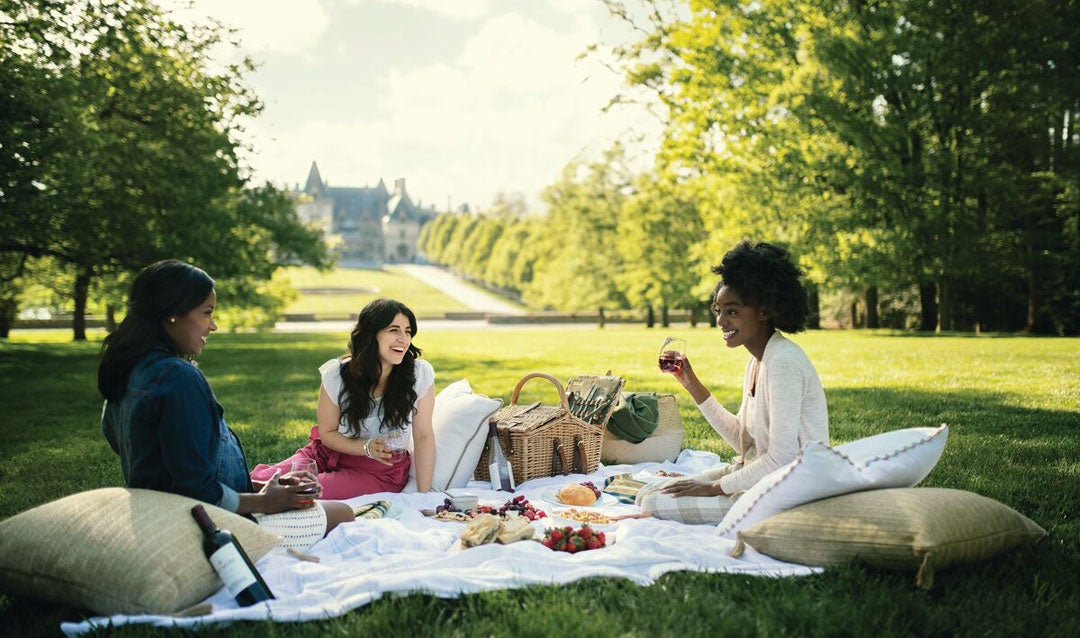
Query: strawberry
592	543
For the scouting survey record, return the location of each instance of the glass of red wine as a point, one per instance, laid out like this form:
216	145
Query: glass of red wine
307	471
397	441
672	355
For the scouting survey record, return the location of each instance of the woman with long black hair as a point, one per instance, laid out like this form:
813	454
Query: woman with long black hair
379	392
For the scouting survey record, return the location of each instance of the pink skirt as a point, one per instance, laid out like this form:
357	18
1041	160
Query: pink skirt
342	476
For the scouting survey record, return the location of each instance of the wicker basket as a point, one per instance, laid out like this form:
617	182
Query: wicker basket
592	398
664	444
528	434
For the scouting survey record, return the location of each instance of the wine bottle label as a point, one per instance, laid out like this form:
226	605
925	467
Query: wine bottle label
502	476
232	569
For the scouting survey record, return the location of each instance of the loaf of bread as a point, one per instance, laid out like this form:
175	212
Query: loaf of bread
576	494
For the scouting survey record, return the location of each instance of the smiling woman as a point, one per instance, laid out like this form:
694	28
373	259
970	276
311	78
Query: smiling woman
162	419
370	402
783	405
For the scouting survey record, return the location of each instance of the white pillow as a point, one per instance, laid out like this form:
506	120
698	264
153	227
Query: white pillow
900	458
460	424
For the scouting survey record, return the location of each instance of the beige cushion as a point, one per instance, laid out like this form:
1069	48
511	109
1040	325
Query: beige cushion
900	458
117	550
904	528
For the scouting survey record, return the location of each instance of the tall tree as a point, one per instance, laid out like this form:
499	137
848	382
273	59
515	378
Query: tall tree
138	160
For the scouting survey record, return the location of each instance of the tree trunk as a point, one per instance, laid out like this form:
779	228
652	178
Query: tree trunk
928	303
854	314
110	318
1033	301
82	291
693	316
650	317
665	317
873	320
600	316
945	306
8	310
813	299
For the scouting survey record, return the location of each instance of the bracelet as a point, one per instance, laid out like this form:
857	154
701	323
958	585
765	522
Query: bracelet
367	448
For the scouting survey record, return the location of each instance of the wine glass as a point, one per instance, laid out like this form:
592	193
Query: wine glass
397	441
309	484
672	354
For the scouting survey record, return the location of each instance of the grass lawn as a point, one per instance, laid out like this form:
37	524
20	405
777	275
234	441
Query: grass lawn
1013	404
353	288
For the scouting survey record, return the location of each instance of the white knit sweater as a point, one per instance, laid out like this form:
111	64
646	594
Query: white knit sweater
787	411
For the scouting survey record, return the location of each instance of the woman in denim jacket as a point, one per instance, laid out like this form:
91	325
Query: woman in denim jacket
162	418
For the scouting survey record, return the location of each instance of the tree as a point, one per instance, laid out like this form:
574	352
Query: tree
889	143
656	231
133	149
577	260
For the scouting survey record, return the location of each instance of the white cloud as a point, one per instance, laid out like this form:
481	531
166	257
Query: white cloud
450	8
284	26
505	112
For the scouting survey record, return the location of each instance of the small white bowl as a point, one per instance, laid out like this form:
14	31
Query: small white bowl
465	501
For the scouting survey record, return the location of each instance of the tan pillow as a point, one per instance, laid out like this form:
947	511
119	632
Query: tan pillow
117	550
920	528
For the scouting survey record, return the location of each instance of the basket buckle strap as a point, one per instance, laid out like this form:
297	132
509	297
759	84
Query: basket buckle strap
579	456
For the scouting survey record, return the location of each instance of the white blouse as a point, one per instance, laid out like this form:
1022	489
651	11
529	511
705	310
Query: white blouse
369	427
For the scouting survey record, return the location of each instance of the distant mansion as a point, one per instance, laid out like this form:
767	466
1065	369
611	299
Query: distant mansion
368	226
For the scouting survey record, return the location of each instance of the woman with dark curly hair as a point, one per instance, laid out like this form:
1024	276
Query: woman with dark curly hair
783	405
378	393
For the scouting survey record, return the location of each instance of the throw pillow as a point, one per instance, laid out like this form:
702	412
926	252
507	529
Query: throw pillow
900	458
118	551
924	529
459	421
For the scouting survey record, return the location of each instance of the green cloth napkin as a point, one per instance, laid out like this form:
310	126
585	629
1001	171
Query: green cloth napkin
636	417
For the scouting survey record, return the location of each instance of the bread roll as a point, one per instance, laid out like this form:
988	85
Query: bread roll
576	494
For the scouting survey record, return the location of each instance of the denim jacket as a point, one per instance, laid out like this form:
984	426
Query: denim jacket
171	435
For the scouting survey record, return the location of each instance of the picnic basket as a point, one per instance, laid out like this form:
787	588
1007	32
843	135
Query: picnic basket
592	397
543	440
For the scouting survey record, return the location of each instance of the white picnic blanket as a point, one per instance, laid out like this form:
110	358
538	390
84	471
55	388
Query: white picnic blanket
408	552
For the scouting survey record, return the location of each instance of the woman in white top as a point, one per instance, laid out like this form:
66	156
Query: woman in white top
379	392
783	405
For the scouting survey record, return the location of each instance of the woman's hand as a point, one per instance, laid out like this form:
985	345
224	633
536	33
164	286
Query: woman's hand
283	495
689	380
691	486
379	450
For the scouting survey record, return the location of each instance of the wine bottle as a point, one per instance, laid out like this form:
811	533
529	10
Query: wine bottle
499	469
231	562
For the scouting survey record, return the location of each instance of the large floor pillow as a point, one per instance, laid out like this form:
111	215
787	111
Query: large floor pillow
118	551
923	529
459	421
900	458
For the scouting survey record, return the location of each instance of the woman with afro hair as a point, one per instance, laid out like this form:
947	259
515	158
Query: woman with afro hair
783	404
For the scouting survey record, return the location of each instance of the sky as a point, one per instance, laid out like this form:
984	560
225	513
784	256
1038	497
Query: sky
464	99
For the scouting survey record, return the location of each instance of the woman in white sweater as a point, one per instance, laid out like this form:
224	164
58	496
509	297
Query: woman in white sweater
783	404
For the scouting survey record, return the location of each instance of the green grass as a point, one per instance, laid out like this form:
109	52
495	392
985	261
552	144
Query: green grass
1013	405
424	300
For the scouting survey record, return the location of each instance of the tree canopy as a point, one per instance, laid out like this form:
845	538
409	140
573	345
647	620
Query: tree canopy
122	149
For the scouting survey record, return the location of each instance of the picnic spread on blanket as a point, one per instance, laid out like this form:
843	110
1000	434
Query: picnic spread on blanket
571	514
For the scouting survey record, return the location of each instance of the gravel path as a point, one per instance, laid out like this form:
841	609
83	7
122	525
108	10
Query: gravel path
452	286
